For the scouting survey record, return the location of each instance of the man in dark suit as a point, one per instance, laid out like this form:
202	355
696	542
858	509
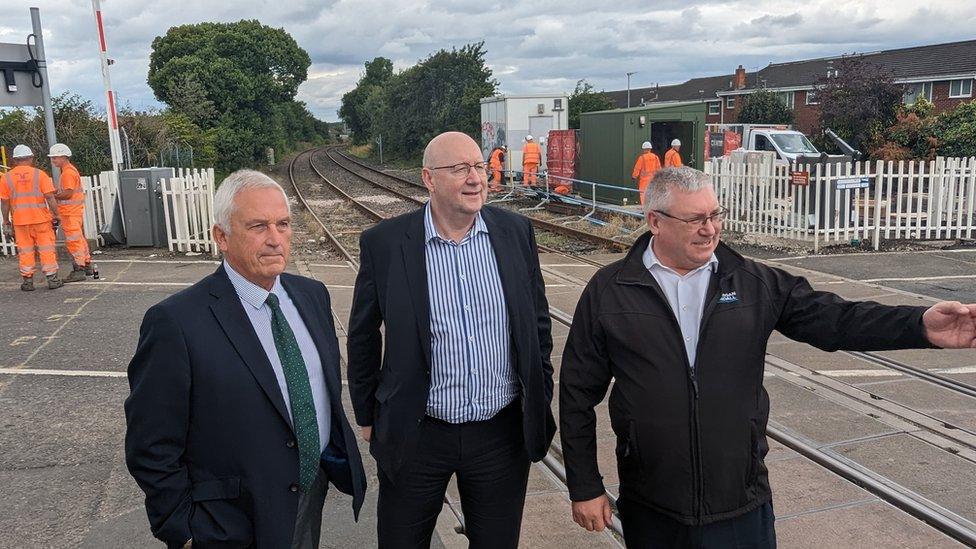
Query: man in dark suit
465	384
234	422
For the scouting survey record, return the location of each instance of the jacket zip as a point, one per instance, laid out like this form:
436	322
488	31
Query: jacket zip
699	474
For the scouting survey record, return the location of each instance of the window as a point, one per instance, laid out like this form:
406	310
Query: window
961	88
730	102
812	98
786	98
763	144
715	108
916	90
794	143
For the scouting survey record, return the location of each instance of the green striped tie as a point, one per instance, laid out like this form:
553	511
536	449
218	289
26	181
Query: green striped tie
299	394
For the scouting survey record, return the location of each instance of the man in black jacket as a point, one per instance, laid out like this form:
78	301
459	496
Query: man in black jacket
235	424
459	382
681	325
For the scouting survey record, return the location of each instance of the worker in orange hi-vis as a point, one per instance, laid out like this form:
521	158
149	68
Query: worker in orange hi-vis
647	163
496	162
27	204
672	158
71	206
531	158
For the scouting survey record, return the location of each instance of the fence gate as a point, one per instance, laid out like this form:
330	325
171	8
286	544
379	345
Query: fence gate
188	210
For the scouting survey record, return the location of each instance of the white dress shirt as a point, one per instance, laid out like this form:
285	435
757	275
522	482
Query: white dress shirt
686	295
259	313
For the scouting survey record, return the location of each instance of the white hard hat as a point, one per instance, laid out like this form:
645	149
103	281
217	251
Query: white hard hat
22	151
60	149
646	145
528	138
504	148
675	143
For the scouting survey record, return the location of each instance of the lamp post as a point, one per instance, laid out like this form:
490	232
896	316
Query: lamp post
628	87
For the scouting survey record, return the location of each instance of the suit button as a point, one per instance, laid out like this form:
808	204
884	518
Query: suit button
293	487
290	444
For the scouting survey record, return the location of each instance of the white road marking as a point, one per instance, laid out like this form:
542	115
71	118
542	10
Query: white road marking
71	373
920	278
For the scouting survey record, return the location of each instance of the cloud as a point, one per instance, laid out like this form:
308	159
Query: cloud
538	46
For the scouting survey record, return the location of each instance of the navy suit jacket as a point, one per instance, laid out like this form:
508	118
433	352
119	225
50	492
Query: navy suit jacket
208	438
389	371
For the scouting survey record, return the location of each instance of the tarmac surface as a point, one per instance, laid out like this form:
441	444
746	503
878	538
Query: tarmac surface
63	482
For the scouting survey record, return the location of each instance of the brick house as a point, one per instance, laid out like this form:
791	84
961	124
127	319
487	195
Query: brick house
943	73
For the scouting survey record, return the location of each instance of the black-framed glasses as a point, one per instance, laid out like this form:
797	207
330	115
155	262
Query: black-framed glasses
717	217
463	168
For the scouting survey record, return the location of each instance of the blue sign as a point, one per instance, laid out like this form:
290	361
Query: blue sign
853	183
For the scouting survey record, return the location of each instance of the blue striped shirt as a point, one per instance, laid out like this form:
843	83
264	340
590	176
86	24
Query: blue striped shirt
253	299
471	375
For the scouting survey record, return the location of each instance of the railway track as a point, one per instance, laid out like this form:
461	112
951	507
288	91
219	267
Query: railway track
942	519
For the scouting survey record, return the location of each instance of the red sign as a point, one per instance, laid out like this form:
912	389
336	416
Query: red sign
800	178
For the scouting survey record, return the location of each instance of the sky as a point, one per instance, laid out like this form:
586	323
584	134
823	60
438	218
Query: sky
532	47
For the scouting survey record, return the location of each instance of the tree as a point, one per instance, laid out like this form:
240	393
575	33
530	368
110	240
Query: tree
232	86
764	107
584	99
354	110
441	93
955	131
858	101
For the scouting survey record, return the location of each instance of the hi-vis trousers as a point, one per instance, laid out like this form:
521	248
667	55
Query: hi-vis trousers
74	239
36	238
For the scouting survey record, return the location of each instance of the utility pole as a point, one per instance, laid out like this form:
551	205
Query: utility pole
628	87
45	89
111	115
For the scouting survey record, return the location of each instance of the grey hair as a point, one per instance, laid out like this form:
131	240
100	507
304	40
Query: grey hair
661	189
234	184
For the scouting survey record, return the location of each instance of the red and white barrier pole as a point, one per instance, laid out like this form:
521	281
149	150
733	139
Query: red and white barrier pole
112	115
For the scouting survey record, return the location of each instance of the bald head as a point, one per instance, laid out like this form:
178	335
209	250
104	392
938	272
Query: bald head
445	145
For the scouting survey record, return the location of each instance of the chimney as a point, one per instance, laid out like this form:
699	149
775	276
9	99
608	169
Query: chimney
739	81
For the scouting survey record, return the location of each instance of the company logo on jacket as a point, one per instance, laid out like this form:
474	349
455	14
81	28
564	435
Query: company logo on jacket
728	297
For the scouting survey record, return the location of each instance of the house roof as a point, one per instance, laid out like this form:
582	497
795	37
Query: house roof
945	60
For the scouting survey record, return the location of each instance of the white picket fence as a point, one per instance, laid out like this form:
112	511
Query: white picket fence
852	201
188	210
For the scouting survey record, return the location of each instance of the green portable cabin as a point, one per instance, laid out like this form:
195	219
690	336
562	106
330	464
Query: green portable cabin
610	142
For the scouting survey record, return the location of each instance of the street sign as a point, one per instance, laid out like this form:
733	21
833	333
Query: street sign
862	182
800	178
21	81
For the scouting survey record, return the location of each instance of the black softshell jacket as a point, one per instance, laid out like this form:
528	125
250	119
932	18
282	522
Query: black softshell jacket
691	441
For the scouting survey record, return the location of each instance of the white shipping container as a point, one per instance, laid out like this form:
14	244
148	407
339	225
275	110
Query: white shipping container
507	119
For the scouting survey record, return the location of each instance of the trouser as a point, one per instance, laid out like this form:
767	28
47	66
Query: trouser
74	239
492	469
308	521
645	528
642	184
496	179
530	174
36	238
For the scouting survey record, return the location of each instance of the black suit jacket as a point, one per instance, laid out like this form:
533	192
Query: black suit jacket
209	439
389	383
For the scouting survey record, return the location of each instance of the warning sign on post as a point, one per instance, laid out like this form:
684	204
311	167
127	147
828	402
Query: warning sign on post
800	178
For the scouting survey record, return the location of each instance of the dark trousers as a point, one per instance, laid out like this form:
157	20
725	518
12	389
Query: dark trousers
645	528
492	471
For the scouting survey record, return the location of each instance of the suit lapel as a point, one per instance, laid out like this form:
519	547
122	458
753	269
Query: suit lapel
415	265
229	312
511	269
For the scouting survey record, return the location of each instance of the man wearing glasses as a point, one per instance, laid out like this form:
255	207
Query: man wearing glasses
681	326
459	381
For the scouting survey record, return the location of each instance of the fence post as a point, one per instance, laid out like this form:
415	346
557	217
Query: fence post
877	203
